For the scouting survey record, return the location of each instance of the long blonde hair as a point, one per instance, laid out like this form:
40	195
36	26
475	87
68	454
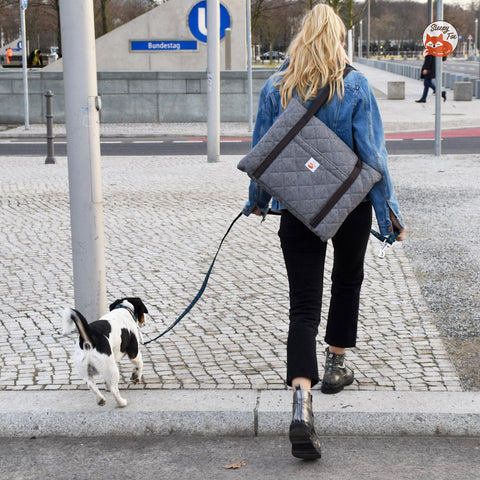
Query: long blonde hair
317	57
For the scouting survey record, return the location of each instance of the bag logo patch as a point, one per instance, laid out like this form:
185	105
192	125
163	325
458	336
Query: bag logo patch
312	164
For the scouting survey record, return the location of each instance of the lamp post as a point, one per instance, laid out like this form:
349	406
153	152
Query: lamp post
360	40
82	106
476	37
26	114
368	28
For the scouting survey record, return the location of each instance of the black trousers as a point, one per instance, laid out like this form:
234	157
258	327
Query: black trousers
304	255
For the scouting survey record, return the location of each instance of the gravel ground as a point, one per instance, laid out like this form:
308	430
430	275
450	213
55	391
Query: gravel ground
441	204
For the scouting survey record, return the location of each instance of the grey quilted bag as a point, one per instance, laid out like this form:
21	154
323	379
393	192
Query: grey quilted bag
309	169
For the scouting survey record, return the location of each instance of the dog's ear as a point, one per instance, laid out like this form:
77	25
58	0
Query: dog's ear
139	306
115	304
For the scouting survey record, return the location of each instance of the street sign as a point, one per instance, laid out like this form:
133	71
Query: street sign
162	45
197	21
23	4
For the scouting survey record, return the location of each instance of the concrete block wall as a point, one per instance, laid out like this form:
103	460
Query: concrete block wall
411	71
135	97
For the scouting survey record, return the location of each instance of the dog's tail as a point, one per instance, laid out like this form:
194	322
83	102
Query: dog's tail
71	318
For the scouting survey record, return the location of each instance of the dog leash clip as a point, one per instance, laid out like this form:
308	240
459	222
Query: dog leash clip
387	242
381	253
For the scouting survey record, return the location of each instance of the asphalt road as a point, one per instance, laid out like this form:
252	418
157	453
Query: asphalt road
198	146
174	457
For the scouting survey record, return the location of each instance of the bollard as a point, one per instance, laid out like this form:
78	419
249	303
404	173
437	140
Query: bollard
228	49
50	146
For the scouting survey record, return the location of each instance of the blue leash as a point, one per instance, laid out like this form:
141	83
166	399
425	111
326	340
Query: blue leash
387	241
202	288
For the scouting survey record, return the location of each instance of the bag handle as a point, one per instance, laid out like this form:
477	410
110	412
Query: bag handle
312	110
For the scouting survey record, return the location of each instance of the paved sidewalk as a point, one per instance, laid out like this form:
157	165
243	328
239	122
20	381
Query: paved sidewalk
235	337
163	221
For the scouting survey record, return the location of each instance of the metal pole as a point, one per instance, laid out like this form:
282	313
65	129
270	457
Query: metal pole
476	37
349	45
228	49
249	67
26	114
368	29
353	42
429	12
82	106
50	145
213	80
360	46
438	92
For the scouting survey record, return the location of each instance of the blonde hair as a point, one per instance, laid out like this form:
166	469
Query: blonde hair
317	57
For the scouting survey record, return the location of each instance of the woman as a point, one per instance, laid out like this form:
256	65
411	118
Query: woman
317	58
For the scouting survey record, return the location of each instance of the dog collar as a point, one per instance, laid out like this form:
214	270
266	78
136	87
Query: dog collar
132	313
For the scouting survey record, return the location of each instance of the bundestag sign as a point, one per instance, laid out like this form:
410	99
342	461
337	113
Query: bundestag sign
197	24
162	45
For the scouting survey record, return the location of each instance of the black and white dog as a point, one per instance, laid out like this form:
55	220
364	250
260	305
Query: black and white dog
104	342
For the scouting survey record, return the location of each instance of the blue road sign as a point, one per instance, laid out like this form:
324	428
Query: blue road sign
197	21
23	4
162	45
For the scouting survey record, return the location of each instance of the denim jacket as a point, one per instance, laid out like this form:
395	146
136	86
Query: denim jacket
356	120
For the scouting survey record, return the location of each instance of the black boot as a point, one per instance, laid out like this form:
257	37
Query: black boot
337	375
444	96
305	443
422	100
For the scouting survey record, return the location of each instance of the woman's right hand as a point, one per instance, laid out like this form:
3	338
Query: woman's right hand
402	231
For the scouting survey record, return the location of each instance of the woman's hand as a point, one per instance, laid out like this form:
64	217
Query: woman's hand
402	231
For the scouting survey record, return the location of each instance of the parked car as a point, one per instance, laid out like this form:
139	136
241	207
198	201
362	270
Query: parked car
275	55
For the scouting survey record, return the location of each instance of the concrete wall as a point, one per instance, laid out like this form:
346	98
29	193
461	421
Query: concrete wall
167	22
134	97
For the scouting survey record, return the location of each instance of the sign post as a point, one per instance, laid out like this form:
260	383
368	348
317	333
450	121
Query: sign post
440	39
26	114
213	81
82	106
249	66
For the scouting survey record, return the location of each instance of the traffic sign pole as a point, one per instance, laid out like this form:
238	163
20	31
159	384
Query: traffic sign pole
438	92
213	80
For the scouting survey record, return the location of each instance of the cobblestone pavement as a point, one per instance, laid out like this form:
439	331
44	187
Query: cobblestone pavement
163	221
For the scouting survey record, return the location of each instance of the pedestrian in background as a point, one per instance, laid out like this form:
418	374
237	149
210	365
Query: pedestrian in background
428	75
316	59
9	53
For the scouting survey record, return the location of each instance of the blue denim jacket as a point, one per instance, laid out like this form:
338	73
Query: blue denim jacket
357	117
